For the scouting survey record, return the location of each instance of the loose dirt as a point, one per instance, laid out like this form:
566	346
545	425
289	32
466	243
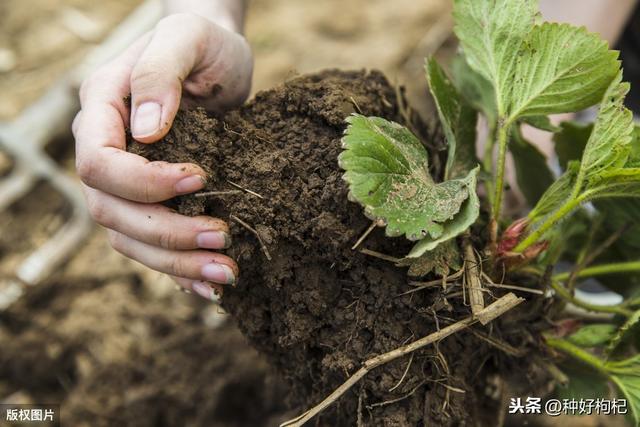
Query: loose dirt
317	309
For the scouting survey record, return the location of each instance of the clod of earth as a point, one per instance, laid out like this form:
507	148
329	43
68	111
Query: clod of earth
318	309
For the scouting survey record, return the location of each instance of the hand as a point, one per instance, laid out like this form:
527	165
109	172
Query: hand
212	66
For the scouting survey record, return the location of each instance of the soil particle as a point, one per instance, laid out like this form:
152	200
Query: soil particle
317	310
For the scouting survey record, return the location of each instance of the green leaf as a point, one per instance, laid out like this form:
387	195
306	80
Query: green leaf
542	123
613	184
458	120
491	33
583	383
570	141
626	375
530	163
474	88
634	155
386	169
625	331
534	69
593	335
560	69
557	194
441	261
467	216
609	144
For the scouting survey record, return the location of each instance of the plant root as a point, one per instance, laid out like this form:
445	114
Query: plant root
246	190
493	311
255	232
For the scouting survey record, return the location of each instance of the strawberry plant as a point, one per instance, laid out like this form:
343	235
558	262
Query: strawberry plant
514	69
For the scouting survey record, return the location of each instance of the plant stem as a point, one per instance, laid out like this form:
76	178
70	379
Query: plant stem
601	270
503	141
487	160
548	224
563	293
577	353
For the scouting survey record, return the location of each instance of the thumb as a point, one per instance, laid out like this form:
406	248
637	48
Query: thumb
156	79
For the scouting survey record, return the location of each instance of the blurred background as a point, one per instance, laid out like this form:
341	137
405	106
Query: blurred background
110	341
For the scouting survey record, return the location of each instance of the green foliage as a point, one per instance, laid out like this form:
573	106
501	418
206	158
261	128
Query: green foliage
475	89
458	121
457	225
603	171
570	141
535	70
542	123
530	163
583	383
387	172
593	335
626	375
624	332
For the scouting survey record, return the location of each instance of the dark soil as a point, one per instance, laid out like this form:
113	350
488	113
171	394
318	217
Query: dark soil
317	309
109	358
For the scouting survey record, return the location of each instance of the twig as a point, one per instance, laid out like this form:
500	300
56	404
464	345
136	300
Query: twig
472	279
490	283
381	256
218	193
491	312
364	236
245	189
255	232
501	345
515	288
433	283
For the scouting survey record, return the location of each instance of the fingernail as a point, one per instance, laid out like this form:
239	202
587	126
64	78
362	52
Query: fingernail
204	290
213	240
146	120
190	184
218	273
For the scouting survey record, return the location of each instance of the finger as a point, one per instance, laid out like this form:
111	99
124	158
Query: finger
207	290
156	224
194	265
103	164
173	52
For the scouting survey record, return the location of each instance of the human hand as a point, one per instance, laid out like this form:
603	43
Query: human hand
186	59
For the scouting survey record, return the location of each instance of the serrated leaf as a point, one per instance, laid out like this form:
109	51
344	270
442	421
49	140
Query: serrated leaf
561	69
441	260
491	33
614	184
571	141
534	69
593	335
386	169
542	123
626	375
609	144
458	121
474	88
530	162
467	216
624	332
